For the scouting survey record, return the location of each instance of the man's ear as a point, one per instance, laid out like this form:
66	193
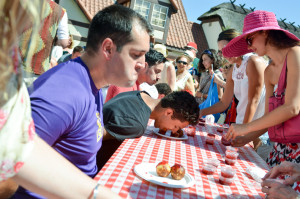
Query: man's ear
146	65
108	47
169	112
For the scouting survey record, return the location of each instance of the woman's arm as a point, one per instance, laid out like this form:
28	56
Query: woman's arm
53	176
282	113
220	88
255	72
190	85
225	100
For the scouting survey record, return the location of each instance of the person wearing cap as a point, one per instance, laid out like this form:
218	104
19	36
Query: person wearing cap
168	74
184	80
263	35
209	63
192	47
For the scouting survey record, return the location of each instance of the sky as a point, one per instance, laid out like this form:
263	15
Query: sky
289	9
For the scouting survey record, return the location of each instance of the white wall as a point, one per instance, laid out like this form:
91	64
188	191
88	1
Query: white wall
212	31
75	13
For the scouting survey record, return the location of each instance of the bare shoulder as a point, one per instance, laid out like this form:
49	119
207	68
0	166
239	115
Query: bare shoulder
257	60
294	54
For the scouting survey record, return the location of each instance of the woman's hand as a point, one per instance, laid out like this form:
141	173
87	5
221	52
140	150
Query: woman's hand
285	168
278	190
236	130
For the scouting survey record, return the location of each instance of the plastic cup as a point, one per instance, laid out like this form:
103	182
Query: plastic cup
220	129
225	142
210	138
233	149
209	119
190	130
225	181
213	161
231	155
227	172
230	162
208	169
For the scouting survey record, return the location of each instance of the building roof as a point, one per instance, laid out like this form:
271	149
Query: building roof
91	7
179	33
199	37
232	16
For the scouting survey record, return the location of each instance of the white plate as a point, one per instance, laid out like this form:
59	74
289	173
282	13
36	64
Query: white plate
168	135
147	171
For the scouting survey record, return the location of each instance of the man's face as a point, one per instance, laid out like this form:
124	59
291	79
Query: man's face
125	65
165	122
153	74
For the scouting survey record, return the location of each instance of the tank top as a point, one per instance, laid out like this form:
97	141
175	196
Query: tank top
180	84
241	85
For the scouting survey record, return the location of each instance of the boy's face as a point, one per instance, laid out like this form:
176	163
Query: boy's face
154	73
165	122
125	65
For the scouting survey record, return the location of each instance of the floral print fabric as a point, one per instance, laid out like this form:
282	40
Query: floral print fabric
16	125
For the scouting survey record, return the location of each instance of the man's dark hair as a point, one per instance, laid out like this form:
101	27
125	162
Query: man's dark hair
163	88
77	49
184	105
114	22
153	57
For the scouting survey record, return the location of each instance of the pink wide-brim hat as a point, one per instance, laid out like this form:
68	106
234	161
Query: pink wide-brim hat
254	21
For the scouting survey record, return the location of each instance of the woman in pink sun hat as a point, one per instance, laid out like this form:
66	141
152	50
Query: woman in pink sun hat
263	35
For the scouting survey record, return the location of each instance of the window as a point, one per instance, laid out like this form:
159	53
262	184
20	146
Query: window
159	15
142	7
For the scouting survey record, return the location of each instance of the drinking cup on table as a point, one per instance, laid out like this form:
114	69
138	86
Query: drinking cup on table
230	148
213	161
210	138
225	181
209	119
208	169
220	129
225	142
190	130
231	157
226	176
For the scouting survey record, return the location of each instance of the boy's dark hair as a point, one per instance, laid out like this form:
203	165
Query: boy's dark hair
114	22
77	49
153	57
184	105
211	53
163	88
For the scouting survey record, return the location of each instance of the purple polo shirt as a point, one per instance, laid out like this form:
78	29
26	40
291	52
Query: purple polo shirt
67	112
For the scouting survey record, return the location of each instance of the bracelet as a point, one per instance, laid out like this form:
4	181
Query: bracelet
95	193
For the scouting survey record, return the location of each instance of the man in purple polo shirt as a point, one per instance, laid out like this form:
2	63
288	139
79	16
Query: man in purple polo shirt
67	101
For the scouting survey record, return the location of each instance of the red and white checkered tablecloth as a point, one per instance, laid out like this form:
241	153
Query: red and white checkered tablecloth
118	174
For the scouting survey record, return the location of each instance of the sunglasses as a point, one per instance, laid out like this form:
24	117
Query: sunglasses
182	62
249	39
